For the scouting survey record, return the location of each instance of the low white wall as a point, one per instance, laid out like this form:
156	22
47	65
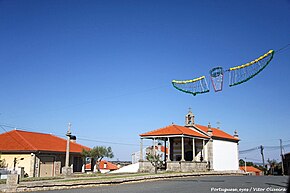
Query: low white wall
225	155
132	168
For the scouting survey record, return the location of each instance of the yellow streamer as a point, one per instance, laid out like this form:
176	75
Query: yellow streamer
252	62
188	81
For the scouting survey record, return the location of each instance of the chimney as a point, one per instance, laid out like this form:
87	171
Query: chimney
236	134
209	130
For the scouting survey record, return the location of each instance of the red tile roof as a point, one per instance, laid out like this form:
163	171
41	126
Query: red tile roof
174	130
88	166
162	148
17	140
109	166
180	130
250	169
217	132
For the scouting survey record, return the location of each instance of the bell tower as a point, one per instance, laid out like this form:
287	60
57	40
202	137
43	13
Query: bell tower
189	118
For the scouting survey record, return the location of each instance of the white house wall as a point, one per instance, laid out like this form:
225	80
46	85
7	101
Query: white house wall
225	155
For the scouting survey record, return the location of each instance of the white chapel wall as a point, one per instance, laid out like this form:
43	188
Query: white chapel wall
225	155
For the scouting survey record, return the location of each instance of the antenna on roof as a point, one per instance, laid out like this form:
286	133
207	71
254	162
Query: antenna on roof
189	109
218	124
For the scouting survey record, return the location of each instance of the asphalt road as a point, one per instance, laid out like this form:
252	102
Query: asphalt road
194	184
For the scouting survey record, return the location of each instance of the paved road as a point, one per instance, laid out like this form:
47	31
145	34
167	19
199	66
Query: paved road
194	184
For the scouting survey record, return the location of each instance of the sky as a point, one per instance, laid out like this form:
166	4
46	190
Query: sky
106	67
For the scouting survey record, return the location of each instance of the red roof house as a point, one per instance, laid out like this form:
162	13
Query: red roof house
107	166
40	154
104	166
252	170
25	141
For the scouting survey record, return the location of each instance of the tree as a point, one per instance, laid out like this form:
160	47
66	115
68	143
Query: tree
97	153
3	163
155	160
242	163
260	167
272	163
85	154
275	167
250	163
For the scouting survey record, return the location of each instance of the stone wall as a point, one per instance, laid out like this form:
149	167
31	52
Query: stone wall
145	166
210	154
176	166
179	166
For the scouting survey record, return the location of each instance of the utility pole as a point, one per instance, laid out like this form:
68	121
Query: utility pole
282	157
262	153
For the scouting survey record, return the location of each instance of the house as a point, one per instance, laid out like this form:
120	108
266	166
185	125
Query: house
104	166
38	154
251	170
193	147
286	164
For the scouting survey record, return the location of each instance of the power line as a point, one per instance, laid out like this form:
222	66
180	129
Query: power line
272	147
248	150
11	136
288	145
16	127
283	48
81	138
108	142
3	128
252	159
268	148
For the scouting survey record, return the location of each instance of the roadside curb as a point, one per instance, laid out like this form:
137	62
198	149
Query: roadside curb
42	186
